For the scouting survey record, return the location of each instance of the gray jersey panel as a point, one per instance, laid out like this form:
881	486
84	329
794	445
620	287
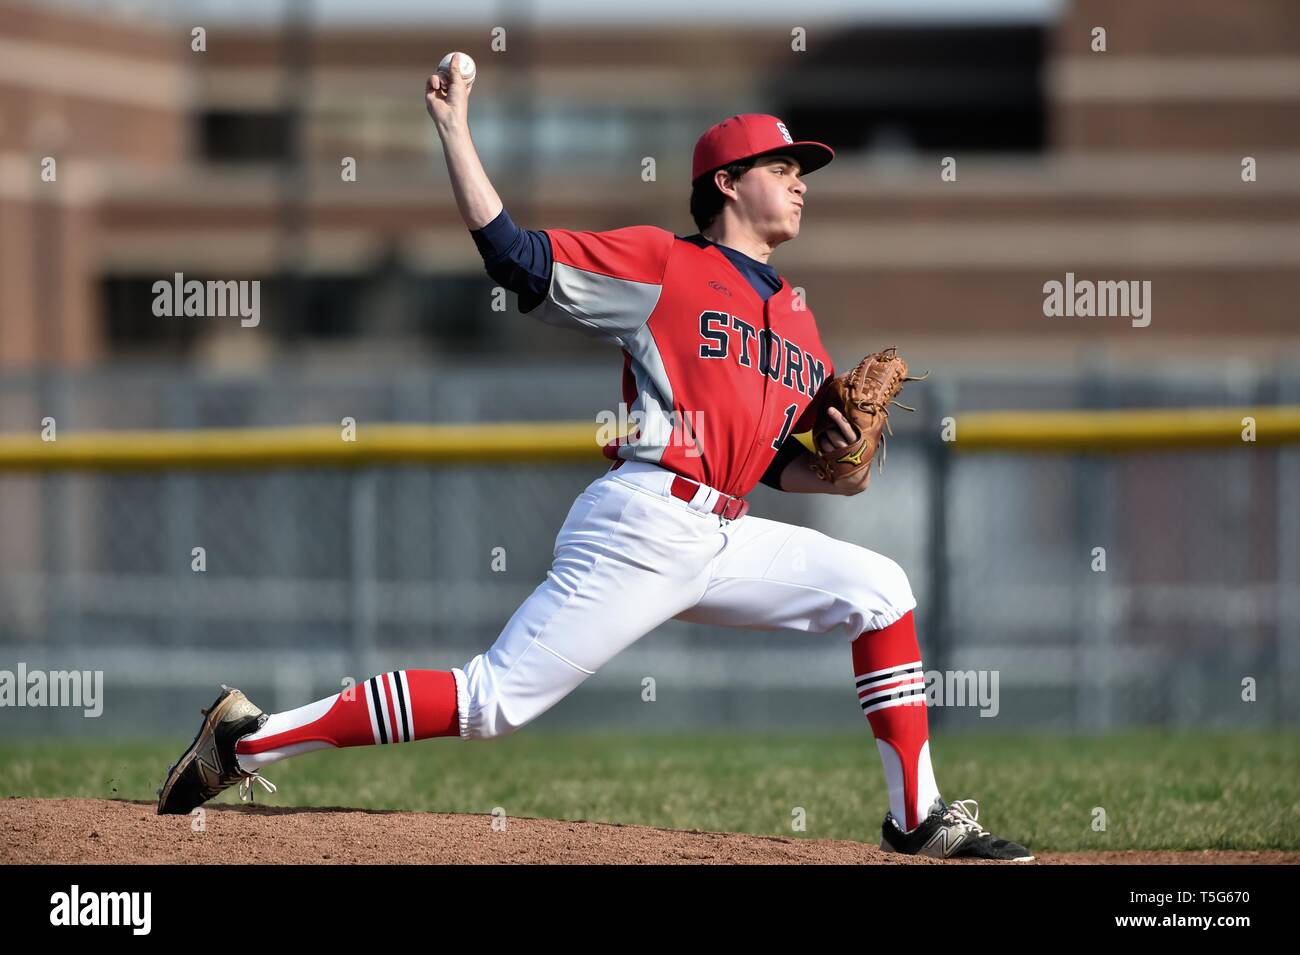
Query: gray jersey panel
654	400
603	307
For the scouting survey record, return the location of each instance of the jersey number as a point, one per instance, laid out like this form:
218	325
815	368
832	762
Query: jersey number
785	428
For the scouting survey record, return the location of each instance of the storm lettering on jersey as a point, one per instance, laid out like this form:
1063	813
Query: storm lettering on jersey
716	335
779	359
769	354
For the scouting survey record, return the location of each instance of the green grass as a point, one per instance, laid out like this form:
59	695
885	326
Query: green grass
1159	790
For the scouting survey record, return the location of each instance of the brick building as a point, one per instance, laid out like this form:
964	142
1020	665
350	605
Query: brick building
226	164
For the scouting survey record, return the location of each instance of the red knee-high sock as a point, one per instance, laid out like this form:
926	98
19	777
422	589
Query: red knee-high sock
394	707
891	689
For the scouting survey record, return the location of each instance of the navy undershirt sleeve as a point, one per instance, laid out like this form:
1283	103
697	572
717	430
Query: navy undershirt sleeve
790	450
520	259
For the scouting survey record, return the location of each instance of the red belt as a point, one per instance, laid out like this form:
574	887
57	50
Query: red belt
731	508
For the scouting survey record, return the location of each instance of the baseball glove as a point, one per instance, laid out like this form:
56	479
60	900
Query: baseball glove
864	397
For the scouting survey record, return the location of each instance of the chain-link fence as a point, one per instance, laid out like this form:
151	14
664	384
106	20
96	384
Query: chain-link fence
1071	591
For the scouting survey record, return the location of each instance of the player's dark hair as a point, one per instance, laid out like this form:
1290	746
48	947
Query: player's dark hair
707	200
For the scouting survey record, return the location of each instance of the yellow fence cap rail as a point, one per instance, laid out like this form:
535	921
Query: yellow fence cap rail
368	444
300	447
1125	430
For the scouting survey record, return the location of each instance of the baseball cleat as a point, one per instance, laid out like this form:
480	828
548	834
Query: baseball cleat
950	831
209	766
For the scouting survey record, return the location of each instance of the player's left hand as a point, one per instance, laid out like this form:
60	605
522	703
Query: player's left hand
831	440
834	440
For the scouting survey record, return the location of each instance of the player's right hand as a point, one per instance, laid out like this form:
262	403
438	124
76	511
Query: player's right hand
446	95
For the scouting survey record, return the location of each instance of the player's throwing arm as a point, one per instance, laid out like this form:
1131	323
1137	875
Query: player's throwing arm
446	95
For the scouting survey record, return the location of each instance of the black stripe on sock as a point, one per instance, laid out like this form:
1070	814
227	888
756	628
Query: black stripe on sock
918	692
401	707
888	678
881	694
379	709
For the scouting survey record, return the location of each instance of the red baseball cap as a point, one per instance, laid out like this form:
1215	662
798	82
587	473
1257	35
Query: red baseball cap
750	135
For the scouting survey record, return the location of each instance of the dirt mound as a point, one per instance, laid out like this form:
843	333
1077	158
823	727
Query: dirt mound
106	831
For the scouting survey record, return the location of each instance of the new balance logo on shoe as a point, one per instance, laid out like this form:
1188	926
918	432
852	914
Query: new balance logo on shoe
947	841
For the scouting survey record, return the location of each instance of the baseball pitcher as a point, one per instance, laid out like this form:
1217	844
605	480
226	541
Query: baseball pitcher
722	367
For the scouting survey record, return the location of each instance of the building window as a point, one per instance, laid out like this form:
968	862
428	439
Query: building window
930	89
244	136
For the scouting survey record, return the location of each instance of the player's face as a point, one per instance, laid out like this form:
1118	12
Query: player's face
772	194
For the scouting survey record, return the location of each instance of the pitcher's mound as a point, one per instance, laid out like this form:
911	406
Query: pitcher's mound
107	831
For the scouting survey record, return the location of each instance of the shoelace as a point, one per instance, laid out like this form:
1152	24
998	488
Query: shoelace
246	786
961	814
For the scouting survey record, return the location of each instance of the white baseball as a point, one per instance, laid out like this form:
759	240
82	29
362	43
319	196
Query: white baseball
467	69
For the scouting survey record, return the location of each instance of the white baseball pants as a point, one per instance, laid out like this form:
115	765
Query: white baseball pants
631	556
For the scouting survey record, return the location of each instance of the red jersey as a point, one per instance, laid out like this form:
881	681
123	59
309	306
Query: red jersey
714	377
